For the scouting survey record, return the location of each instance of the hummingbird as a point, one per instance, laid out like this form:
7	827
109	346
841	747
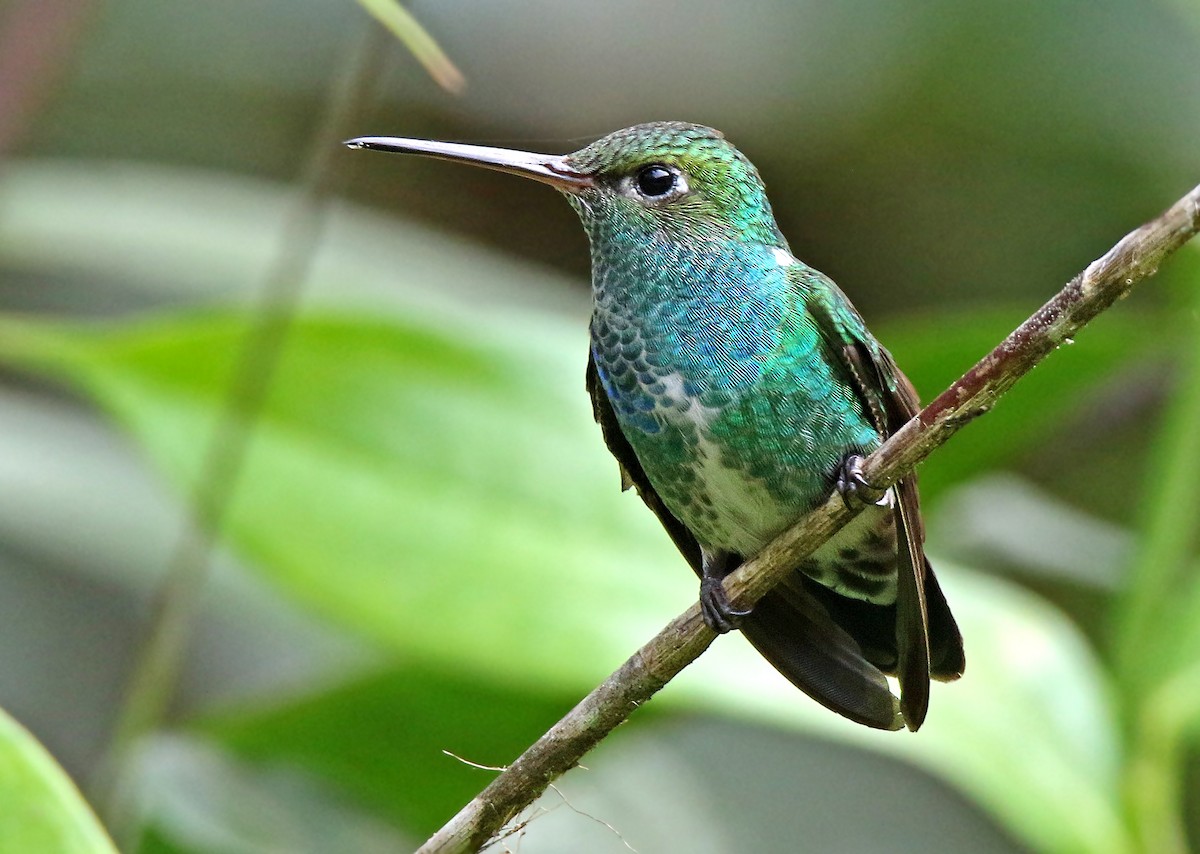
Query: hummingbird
737	388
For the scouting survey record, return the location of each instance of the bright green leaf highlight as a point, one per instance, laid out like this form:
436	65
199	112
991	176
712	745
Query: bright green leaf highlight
40	808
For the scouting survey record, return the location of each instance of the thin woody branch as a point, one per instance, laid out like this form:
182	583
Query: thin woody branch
1104	281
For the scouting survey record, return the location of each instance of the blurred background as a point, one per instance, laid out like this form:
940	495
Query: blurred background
367	372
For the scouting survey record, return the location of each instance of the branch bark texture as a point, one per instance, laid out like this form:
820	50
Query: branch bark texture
1105	281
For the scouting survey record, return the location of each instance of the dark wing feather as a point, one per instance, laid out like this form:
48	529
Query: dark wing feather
890	400
912	618
791	629
924	599
789	626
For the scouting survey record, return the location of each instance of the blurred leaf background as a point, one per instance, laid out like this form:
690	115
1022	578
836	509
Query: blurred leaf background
424	550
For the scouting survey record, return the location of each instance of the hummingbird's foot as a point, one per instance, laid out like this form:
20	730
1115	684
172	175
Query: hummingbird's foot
856	492
718	612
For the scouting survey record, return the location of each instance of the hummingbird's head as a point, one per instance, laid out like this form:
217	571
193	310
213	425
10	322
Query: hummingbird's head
673	179
667	180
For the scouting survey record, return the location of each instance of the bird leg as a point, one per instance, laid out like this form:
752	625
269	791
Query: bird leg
718	612
856	492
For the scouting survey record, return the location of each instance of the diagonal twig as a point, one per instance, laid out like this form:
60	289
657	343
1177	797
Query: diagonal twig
1105	280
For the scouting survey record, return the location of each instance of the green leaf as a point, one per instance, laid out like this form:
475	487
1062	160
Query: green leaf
374	736
405	484
40	808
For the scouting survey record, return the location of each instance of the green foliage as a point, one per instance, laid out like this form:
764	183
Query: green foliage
377	760
40	809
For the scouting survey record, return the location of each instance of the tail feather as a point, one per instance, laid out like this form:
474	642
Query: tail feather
797	635
839	650
946	658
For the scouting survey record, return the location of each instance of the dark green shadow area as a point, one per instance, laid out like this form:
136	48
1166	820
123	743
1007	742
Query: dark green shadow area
381	739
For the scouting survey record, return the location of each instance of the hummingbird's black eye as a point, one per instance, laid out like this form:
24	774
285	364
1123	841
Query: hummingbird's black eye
656	180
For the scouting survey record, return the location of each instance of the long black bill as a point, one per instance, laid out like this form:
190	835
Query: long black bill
550	169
